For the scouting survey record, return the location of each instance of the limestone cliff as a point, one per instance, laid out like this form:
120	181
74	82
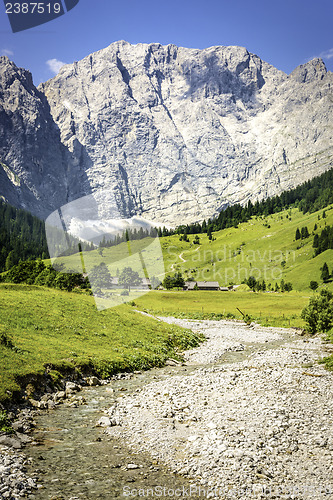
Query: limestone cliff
174	134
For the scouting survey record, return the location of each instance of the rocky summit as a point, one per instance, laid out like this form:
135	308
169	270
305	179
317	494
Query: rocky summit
173	134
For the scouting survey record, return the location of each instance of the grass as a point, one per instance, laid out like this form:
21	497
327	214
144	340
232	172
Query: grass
46	328
270	309
4	423
264	247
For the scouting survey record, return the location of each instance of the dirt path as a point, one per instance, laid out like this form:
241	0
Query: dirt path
180	256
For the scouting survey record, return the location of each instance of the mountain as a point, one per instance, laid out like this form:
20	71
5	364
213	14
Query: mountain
169	133
32	157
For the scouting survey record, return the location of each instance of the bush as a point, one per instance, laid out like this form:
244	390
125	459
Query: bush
37	273
319	313
314	285
176	281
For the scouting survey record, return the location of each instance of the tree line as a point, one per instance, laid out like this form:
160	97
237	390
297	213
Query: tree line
22	236
129	235
310	196
38	273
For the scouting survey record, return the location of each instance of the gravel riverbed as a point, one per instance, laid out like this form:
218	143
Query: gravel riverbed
14	482
260	427
249	415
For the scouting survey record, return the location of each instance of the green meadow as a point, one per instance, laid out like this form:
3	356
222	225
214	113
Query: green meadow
270	309
41	327
263	247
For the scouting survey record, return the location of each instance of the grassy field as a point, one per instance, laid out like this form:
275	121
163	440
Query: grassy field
264	247
40	326
271	309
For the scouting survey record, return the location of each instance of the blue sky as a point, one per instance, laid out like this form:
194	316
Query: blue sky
283	33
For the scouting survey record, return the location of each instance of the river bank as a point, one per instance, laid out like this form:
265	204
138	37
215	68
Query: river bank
250	411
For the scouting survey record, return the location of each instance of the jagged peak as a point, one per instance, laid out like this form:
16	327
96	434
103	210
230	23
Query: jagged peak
10	72
314	69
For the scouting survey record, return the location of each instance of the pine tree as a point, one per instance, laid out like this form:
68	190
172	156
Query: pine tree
316	241
10	260
314	285
325	274
304	233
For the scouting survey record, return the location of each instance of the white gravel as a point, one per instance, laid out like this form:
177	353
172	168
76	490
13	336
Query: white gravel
14	482
259	428
223	336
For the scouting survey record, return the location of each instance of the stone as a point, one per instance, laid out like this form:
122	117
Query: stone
58	396
72	387
46	397
93	381
11	441
103	422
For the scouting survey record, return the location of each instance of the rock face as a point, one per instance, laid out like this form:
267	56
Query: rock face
32	158
174	134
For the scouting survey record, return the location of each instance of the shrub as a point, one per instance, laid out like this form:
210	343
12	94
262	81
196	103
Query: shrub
314	285
319	313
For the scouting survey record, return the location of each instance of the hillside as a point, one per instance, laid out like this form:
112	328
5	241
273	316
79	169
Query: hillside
62	331
264	247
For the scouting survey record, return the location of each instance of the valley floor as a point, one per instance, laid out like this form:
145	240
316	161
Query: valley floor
257	425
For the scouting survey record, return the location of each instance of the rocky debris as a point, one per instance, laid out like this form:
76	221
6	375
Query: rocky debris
260	425
71	388
25	422
93	381
14	482
235	334
176	133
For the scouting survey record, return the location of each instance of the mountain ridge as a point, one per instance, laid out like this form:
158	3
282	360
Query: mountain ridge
171	133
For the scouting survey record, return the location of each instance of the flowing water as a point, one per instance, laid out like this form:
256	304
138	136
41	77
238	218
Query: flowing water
74	459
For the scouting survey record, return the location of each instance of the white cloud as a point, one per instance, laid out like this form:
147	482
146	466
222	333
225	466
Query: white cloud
6	52
55	65
328	54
